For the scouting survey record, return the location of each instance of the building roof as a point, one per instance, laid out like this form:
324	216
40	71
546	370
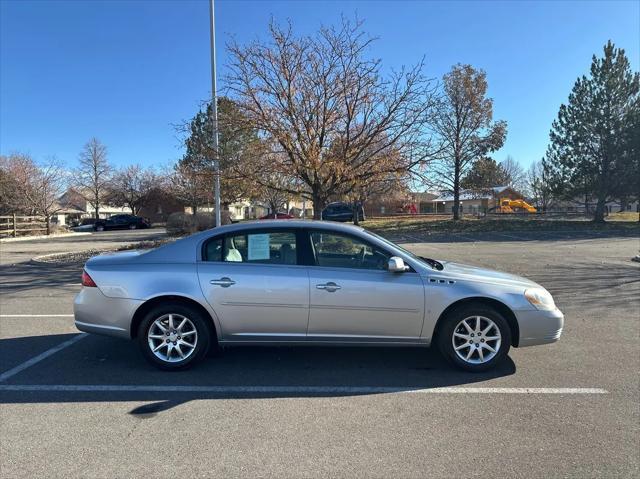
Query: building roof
466	195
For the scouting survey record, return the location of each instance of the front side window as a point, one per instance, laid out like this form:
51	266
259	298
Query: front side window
266	247
344	251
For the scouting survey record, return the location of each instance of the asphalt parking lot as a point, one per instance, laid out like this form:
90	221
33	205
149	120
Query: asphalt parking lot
82	406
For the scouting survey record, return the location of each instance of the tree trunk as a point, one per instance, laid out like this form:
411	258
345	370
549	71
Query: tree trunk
97	212
456	191
48	220
623	203
456	202
318	205
599	214
356	213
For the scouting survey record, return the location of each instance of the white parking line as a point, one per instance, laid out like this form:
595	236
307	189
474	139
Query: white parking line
36	359
293	389
468	238
414	238
36	315
517	238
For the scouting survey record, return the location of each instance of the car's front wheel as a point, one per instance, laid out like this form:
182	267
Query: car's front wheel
99	228
174	336
475	337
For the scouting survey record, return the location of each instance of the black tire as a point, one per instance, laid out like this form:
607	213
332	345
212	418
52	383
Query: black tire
133	226
99	228
454	318
195	316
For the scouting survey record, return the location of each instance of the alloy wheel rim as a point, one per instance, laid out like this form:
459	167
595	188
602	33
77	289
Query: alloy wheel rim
476	339
172	338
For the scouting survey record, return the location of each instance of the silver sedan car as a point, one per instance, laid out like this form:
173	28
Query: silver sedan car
306	282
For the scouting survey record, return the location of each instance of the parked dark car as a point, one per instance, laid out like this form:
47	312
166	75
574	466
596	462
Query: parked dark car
276	216
121	222
82	222
340	211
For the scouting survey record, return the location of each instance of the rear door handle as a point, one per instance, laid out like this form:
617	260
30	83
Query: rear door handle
224	282
330	286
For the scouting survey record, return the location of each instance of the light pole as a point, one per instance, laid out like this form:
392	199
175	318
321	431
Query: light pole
214	100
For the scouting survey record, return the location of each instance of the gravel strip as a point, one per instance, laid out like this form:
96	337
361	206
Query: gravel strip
82	256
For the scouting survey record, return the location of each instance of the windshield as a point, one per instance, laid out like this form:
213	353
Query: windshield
428	261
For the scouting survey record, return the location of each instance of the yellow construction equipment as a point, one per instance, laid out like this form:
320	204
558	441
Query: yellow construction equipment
507	206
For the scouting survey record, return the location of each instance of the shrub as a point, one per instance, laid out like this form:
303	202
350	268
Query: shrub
179	224
203	221
186	223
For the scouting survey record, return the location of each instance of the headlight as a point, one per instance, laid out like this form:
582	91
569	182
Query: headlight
540	299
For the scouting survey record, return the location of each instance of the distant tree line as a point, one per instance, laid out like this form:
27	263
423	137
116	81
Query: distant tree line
316	117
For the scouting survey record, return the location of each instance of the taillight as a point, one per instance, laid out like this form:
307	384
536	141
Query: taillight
87	281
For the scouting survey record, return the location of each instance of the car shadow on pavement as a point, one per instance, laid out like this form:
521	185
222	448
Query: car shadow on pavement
116	368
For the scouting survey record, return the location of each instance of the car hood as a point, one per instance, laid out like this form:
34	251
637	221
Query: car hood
474	273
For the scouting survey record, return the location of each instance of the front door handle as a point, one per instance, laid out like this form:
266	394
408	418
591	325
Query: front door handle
330	286
224	282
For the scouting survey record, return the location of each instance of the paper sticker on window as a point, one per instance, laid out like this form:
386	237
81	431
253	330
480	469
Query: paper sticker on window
259	247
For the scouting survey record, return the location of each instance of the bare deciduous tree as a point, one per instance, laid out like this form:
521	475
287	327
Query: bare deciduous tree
516	175
463	121
131	186
334	116
275	195
47	185
31	188
190	185
539	187
16	170
93	175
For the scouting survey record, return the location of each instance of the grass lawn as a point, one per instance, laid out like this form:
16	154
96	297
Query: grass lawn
438	224
624	216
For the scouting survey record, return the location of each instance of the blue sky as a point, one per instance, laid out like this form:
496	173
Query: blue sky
128	71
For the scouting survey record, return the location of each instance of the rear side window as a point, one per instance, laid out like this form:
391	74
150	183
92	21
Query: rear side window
258	247
213	250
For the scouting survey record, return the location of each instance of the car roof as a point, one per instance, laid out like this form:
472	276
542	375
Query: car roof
292	223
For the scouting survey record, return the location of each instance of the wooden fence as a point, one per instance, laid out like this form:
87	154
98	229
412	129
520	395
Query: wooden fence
16	225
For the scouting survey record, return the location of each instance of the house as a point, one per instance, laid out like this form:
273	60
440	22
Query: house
159	205
473	201
587	206
246	209
73	207
401	202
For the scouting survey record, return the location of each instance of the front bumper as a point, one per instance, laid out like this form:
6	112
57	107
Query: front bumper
539	327
96	313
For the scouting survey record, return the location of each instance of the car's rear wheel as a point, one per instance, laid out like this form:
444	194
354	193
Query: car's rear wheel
174	336
133	226
100	228
475	337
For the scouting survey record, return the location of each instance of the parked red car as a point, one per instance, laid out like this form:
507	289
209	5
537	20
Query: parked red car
277	216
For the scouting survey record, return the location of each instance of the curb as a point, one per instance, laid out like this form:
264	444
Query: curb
28	238
41	259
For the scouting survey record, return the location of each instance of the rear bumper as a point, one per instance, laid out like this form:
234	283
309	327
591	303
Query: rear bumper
96	313
539	327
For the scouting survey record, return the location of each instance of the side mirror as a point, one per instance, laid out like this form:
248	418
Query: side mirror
396	265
